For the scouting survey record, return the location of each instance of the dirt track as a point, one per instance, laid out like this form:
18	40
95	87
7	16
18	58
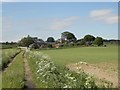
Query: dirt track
28	79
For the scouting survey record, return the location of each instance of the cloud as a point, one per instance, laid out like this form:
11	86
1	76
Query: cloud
60	24
104	15
38	24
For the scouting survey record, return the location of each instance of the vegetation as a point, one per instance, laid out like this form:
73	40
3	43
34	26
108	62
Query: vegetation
13	77
6	45
50	39
98	41
89	39
47	75
7	55
68	36
26	41
48	66
82	42
67	39
88	54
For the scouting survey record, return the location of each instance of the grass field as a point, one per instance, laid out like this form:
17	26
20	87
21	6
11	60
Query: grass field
88	54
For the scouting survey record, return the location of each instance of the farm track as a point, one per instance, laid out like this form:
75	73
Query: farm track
28	82
10	62
27	75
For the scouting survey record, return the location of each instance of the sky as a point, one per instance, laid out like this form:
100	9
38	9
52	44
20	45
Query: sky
50	19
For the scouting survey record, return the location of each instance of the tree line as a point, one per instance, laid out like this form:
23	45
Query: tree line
67	39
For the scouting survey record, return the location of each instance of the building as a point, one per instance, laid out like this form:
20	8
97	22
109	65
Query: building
38	43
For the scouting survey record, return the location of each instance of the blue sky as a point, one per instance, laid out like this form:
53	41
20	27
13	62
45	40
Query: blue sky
46	19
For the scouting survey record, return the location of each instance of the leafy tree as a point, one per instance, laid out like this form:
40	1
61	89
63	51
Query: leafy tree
26	41
68	36
98	41
82	42
89	39
50	39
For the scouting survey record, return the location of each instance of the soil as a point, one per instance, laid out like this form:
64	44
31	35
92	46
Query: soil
104	71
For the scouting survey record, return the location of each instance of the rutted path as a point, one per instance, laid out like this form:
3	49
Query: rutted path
28	79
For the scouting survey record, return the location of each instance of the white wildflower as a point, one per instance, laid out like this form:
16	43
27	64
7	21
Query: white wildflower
37	77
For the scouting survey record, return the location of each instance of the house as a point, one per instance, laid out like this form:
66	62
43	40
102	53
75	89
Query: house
38	43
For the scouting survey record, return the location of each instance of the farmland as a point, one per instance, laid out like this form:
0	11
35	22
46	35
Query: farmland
103	59
63	68
88	54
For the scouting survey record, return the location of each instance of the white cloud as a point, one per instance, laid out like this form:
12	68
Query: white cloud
60	24
104	15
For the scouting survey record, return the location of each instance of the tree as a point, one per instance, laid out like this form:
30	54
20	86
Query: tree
89	39
82	42
98	41
68	36
26	41
50	39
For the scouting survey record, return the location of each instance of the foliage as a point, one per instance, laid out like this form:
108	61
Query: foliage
98	41
26	41
89	39
52	76
50	39
82	42
68	36
14	75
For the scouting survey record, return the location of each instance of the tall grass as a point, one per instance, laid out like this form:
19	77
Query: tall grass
7	55
14	75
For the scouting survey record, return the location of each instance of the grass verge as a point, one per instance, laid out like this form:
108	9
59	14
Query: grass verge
13	77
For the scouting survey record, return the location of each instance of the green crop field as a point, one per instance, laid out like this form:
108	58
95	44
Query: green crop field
88	54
